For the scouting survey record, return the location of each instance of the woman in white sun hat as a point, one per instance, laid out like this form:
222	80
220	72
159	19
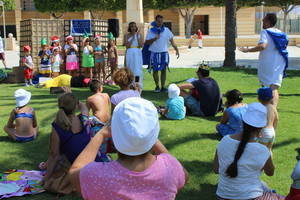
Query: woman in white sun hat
25	127
240	160
143	170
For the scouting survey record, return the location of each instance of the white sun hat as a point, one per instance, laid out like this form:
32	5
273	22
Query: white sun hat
22	97
135	126
256	115
173	91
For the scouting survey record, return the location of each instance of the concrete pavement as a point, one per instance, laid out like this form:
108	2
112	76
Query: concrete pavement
192	57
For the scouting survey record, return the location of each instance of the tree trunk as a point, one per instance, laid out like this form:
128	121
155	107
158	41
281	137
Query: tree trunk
284	21
188	15
230	29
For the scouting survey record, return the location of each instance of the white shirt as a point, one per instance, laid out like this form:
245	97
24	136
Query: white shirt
1	45
271	62
247	184
162	44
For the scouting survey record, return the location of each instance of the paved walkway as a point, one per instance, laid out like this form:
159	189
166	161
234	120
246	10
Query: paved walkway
192	57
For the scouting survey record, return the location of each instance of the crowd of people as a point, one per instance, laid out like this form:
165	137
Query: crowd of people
127	124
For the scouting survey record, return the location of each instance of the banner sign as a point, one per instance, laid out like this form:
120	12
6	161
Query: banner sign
81	27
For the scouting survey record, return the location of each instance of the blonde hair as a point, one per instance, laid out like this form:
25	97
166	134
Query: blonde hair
67	104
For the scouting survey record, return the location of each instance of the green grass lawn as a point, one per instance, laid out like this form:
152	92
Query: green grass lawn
193	141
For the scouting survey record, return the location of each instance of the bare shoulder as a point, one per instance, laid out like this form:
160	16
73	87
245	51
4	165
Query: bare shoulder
105	95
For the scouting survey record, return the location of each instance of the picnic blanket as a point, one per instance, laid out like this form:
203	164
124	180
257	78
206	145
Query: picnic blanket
15	183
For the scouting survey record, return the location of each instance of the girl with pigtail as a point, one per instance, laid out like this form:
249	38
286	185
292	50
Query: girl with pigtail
69	136
240	161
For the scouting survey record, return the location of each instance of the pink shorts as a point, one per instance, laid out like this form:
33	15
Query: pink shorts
70	66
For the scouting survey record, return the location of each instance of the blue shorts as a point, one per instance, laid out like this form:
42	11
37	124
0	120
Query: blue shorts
24	139
193	106
159	61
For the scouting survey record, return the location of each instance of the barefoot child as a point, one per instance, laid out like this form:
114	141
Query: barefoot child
28	64
44	54
265	96
99	51
112	57
25	127
99	103
87	57
56	60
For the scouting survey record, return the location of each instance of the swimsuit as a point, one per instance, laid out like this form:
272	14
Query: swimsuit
101	59
24	138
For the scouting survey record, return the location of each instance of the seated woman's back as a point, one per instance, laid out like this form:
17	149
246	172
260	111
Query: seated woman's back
160	180
247	184
73	141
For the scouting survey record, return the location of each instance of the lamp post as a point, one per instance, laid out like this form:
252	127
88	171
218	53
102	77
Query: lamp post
3	17
262	15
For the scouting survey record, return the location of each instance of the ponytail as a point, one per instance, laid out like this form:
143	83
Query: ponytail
232	170
62	120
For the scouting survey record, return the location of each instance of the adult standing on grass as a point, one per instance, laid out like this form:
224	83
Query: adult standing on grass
134	59
273	57
240	160
159	37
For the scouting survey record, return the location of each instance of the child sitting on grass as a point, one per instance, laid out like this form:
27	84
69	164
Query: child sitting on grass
99	103
69	136
231	122
124	78
265	96
175	108
25	127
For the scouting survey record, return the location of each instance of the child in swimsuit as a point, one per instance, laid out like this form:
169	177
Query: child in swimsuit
25	127
99	51
112	57
265	96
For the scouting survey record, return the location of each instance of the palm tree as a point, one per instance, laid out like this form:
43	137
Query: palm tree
230	34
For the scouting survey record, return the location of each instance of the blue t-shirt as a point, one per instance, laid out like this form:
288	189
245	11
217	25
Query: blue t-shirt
176	109
45	60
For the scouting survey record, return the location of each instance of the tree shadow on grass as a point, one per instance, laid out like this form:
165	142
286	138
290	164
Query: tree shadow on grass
286	142
190	137
198	170
5	139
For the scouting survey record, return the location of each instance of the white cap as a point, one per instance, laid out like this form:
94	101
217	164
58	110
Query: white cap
22	97
173	91
256	115
135	126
